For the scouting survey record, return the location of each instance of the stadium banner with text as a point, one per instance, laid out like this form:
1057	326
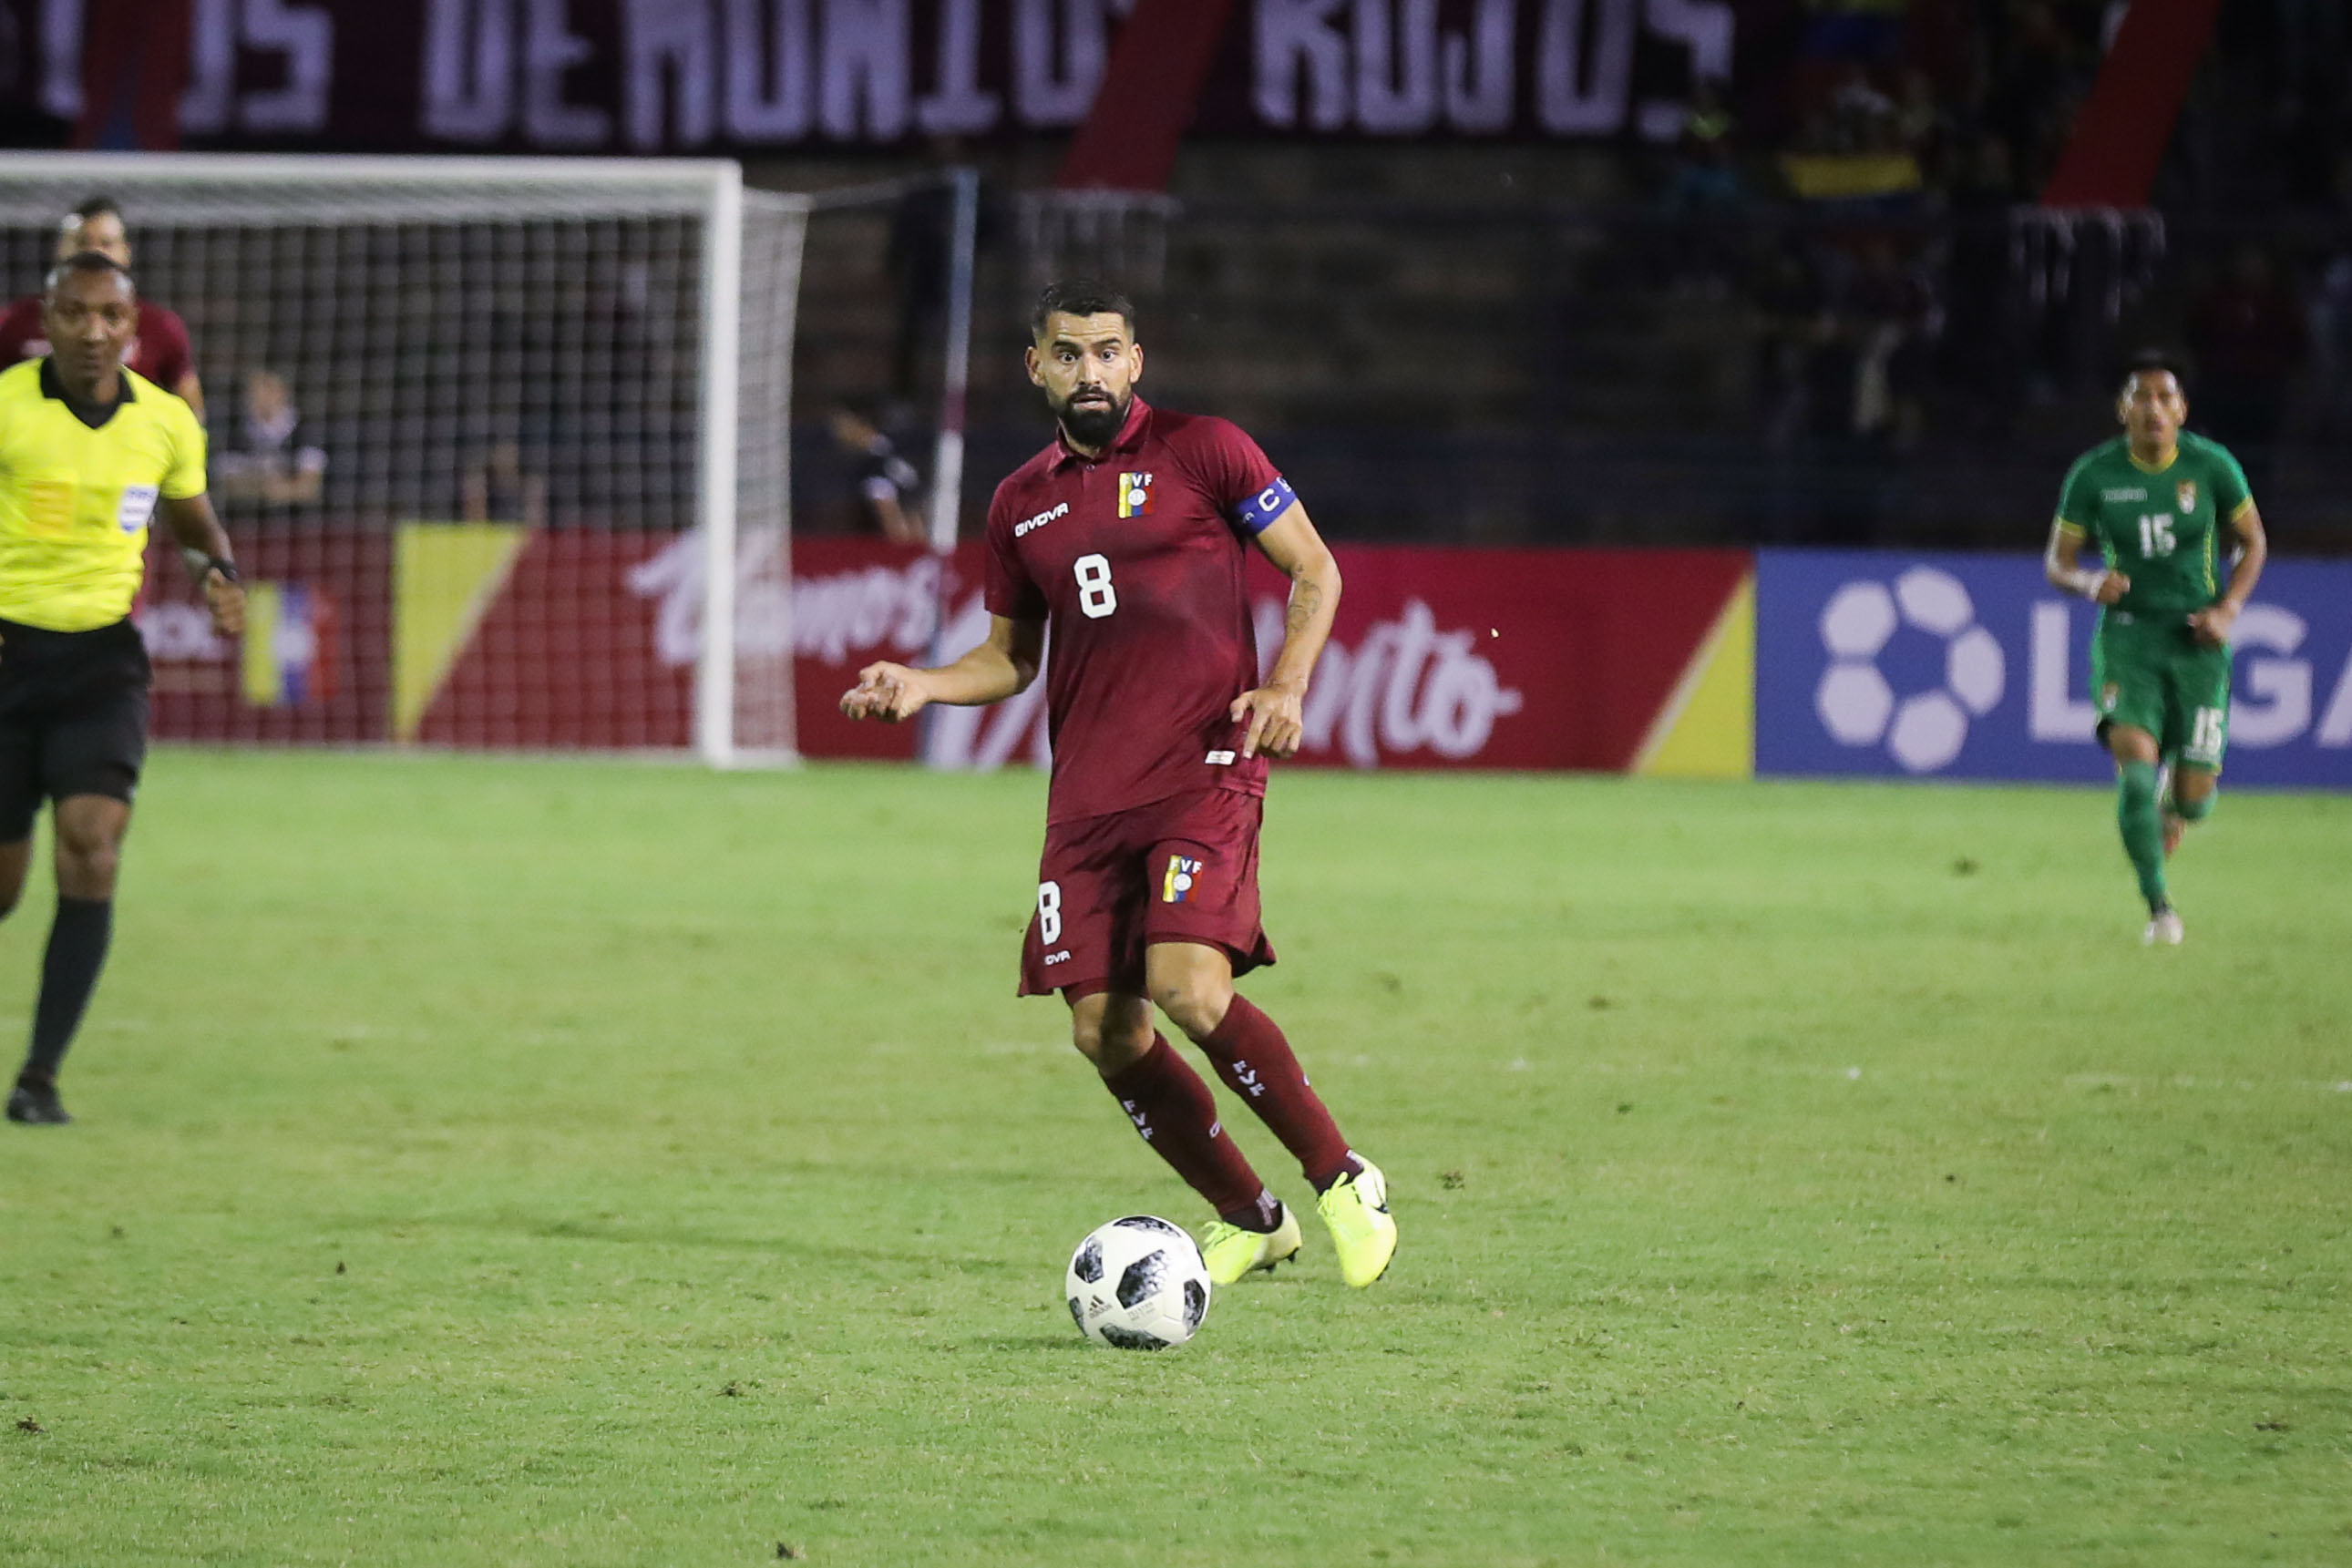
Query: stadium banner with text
496	636
747	75
1971	666
1603	660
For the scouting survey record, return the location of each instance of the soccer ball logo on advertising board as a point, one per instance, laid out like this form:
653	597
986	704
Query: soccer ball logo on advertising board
1923	732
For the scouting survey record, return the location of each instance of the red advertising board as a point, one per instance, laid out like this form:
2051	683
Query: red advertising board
1441	658
317	668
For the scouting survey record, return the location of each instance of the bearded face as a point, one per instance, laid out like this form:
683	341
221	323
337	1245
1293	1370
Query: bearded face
1092	415
1087	367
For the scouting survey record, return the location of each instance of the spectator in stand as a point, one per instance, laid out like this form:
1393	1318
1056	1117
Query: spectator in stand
1984	349
499	488
158	352
1703	179
2331	341
267	461
886	482
1897	320
2249	337
1704	189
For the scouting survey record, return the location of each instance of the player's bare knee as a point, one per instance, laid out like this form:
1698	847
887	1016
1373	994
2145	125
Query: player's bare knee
1113	1037
88	857
1112	1048
88	872
1194	1003
2192	796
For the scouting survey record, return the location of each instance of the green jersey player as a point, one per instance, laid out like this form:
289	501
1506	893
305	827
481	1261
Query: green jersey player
2156	501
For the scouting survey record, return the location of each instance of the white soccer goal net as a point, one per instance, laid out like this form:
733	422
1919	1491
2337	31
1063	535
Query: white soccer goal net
497	440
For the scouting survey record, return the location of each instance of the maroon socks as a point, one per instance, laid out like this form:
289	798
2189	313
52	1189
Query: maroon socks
1172	1108
1256	1062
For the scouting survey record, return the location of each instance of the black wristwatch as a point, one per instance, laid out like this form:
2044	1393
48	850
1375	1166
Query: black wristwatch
200	566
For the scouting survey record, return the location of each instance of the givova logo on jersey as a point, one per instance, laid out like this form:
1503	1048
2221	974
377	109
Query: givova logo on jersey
1135	495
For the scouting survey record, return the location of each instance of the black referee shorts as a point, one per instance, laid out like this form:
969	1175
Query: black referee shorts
73	717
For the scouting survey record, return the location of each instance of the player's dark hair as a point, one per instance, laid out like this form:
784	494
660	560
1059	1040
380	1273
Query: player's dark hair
1080	297
2155	360
96	206
87	261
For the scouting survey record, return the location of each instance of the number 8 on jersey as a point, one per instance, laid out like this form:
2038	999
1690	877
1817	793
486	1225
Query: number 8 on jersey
1096	597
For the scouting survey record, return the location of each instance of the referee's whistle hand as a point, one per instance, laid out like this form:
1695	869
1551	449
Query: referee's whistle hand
225	599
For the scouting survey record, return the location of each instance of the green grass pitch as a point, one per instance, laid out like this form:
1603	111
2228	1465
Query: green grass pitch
514	1162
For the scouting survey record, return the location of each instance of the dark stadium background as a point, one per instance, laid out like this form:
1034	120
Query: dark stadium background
1747	332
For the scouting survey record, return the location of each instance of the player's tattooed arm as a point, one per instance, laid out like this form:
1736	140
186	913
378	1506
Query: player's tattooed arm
2212	623
1276	711
1002	666
206	543
2062	565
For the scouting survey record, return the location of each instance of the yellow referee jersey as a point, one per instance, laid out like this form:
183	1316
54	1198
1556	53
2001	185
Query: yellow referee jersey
75	502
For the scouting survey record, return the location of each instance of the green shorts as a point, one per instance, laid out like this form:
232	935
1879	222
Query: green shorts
2155	677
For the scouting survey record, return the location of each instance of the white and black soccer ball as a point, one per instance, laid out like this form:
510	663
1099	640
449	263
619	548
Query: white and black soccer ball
1138	1283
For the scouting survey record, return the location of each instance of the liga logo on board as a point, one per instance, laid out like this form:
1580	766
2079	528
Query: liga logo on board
1972	667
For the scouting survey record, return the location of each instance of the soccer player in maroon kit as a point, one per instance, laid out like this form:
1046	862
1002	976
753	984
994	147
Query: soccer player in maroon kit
1127	538
159	349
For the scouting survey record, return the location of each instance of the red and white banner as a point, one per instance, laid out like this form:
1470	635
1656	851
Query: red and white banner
493	637
1441	658
316	668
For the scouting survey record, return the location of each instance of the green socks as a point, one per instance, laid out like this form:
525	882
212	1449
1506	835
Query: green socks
2143	831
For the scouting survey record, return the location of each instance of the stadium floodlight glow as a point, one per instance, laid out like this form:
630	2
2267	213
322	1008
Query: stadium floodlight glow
512	371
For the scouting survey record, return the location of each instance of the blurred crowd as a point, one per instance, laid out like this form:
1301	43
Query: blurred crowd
1872	210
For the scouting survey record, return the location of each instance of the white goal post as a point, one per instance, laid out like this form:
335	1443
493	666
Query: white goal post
500	438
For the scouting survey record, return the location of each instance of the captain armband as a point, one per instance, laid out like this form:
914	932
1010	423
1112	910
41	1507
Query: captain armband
1258	513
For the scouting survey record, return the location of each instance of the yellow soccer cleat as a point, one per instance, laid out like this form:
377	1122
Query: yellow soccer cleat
1356	1208
1233	1254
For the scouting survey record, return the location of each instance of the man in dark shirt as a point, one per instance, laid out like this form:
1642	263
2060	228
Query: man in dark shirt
886	482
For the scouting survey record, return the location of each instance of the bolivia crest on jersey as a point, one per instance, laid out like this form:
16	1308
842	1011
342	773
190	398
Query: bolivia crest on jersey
1135	495
2187	494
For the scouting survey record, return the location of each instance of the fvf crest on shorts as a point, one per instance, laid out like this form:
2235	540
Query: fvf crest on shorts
1182	870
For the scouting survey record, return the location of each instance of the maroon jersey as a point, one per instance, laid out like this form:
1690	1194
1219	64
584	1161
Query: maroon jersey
160	351
1134	561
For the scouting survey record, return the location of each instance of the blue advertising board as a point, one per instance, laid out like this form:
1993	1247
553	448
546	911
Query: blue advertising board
1971	666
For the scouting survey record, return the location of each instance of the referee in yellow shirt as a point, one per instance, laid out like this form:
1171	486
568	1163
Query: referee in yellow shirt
88	452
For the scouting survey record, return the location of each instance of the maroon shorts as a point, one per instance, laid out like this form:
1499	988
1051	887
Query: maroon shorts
1179	869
